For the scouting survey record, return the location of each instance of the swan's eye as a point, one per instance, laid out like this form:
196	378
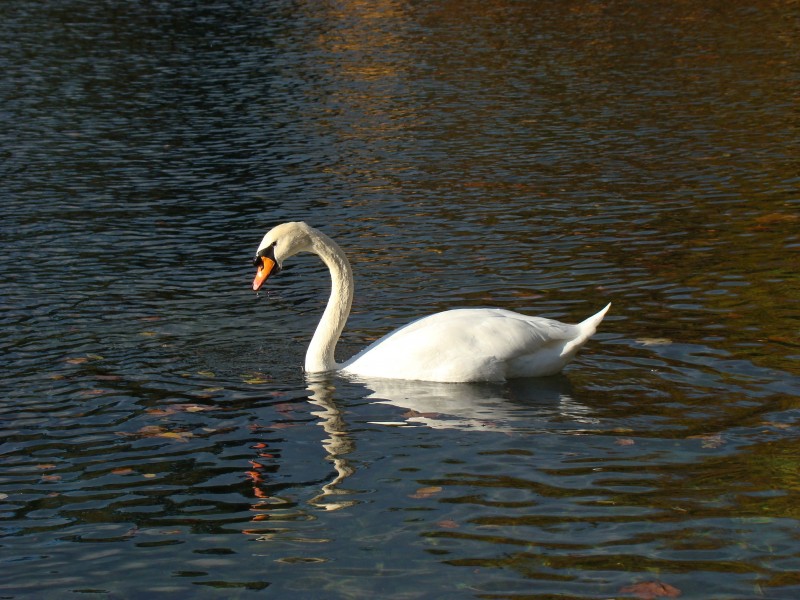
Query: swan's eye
269	252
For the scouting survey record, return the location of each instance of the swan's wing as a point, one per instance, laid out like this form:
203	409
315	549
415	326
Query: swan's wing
466	345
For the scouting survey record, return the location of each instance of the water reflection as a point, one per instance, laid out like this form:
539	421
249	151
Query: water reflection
337	445
522	403
519	406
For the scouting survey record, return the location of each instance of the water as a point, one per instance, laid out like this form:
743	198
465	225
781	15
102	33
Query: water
157	436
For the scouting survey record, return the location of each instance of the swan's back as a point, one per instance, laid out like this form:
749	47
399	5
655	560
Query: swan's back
474	344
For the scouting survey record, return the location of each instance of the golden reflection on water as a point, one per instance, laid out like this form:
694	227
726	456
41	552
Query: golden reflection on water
711	117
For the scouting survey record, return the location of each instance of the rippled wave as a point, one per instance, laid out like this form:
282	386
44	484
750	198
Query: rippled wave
156	432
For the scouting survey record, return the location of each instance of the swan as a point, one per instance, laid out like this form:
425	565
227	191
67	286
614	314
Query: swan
459	345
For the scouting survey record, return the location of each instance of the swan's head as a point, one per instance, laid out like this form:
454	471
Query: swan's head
281	242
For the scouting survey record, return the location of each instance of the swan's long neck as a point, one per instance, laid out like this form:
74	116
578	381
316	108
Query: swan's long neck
320	354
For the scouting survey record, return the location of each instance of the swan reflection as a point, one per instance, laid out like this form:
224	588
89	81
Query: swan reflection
519	406
337	445
521	403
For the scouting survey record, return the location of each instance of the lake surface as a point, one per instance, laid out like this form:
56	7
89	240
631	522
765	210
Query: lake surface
157	435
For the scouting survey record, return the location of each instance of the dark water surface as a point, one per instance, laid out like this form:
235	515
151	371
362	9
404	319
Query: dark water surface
157	436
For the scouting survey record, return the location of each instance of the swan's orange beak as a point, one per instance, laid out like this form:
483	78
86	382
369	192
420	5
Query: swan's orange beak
264	271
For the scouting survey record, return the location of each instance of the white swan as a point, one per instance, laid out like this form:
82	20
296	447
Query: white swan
469	344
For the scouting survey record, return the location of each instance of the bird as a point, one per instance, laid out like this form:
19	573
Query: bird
454	346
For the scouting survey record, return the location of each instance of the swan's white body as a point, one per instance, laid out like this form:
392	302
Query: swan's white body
470	344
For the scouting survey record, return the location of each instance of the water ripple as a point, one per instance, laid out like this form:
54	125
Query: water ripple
156	432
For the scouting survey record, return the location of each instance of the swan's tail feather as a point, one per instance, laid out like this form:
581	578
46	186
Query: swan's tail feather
586	328
589	326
